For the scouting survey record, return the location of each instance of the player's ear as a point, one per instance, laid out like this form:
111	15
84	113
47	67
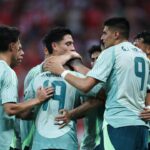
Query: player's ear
11	46
117	35
54	45
46	53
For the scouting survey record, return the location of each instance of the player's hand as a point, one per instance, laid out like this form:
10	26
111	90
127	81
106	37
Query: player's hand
63	117
44	93
145	114
74	55
53	64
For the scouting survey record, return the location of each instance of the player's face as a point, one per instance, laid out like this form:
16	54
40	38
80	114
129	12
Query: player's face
140	44
108	37
94	57
17	54
63	46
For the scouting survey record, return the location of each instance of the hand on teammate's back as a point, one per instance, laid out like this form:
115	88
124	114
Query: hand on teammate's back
63	117
145	114
44	93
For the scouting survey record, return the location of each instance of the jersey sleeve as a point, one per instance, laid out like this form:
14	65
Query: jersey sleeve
9	91
29	78
103	65
32	74
29	92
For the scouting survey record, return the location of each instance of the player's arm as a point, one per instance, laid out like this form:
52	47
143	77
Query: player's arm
17	108
84	84
78	66
78	112
100	71
81	111
62	59
28	114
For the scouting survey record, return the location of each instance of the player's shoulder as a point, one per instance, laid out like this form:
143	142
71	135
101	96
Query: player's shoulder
5	68
35	69
44	75
4	65
32	74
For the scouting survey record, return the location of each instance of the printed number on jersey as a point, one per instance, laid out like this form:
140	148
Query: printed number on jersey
139	69
59	95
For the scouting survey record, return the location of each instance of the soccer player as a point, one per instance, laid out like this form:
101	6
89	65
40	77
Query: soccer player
94	52
47	133
11	54
27	127
142	40
124	69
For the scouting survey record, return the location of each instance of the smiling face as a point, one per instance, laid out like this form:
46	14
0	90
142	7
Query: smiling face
17	53
63	46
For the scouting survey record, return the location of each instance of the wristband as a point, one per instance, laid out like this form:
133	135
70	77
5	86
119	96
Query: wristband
64	73
148	107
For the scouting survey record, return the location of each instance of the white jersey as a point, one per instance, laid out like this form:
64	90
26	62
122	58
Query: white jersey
48	135
125	70
8	93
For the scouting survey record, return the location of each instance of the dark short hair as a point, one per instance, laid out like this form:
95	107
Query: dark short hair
55	35
8	35
119	24
145	35
94	48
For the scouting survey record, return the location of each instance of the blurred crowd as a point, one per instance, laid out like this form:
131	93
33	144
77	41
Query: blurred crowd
84	17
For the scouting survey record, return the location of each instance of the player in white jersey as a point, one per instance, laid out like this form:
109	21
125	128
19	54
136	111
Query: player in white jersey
124	69
142	40
27	126
11	54
47	134
57	42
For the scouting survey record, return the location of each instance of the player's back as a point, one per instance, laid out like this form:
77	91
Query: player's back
64	97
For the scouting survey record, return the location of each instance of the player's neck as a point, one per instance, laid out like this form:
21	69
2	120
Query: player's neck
5	58
120	41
